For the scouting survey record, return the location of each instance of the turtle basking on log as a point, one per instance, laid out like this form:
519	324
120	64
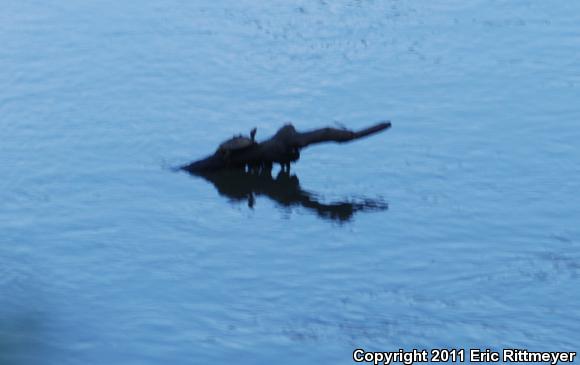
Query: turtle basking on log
236	145
283	148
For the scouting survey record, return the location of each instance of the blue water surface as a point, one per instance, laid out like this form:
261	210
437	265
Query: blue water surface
109	256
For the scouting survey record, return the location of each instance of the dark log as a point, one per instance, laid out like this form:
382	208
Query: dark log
283	148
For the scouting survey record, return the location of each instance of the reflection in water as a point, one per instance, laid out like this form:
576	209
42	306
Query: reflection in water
286	191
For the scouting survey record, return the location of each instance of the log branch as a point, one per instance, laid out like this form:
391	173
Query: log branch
337	135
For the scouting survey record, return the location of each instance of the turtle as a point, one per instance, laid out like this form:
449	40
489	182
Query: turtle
236	144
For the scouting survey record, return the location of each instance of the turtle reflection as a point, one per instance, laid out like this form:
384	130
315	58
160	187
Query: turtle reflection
285	190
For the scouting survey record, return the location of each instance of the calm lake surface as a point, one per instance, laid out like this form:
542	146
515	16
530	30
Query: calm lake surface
457	228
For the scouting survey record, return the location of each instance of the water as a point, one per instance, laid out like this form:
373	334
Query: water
471	239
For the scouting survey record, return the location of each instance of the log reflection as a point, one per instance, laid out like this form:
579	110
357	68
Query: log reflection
285	190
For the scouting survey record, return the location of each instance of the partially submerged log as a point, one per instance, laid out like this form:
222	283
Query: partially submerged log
283	148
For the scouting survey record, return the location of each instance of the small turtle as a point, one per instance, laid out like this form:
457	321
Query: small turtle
236	144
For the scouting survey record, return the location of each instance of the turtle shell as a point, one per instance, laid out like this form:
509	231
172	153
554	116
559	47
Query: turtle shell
235	143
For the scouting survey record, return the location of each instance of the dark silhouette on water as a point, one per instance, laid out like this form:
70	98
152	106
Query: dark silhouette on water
285	190
283	148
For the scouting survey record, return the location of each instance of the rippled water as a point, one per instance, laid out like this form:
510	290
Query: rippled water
470	238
